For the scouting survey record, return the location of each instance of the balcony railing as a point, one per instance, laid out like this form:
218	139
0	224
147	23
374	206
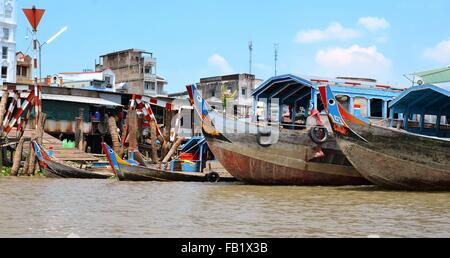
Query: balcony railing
149	60
150	77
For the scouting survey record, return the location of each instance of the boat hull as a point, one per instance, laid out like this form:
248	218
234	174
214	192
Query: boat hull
58	170
398	160
282	164
139	173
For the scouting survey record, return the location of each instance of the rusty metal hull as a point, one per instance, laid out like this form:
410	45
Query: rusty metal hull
282	164
399	160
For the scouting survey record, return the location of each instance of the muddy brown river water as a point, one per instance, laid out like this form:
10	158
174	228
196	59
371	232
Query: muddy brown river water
106	208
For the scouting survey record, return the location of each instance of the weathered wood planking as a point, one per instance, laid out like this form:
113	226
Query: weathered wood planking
58	152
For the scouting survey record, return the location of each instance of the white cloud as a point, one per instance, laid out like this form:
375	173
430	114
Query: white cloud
439	53
374	24
221	63
334	31
354	61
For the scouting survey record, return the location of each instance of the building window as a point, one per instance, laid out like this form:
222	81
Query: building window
5	33
148	70
244	92
150	86
5	52
108	80
8	10
4	72
213	93
22	71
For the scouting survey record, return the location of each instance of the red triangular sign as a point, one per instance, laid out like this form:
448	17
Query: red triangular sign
34	16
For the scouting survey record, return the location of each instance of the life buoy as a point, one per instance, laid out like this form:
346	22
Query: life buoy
319	134
213	177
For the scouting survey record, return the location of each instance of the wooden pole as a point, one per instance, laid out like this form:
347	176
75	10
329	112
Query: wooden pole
140	129
82	144
153	139
133	129
173	150
165	149
114	134
77	132
3	104
18	157
36	137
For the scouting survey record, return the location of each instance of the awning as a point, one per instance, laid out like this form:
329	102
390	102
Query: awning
427	99
432	76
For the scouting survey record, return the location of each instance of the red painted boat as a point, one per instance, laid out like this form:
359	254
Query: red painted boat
268	155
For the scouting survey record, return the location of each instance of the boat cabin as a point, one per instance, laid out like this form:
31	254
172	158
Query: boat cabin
289	99
192	156
422	110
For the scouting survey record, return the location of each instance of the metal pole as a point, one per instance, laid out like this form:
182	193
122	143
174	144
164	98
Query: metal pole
35	71
40	62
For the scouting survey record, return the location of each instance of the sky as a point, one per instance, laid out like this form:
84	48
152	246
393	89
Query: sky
192	39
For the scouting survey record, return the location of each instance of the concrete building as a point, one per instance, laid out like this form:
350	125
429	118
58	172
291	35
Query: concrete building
24	68
237	87
8	40
137	69
179	95
100	80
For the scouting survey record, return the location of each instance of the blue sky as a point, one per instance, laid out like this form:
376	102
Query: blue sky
199	38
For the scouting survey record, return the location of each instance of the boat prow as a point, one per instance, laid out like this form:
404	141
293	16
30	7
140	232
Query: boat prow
55	169
390	158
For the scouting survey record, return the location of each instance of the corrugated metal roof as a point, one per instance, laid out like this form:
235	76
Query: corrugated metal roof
77	99
429	99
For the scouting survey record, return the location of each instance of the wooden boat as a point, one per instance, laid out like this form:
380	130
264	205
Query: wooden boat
55	169
388	157
268	155
128	172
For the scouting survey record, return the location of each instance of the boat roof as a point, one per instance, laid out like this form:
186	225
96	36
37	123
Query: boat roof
195	143
428	99
291	87
433	76
284	82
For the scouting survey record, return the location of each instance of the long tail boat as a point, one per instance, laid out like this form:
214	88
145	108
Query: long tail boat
268	155
128	172
55	169
390	158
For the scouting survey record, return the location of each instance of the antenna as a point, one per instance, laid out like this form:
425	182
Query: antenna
250	47
276	49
